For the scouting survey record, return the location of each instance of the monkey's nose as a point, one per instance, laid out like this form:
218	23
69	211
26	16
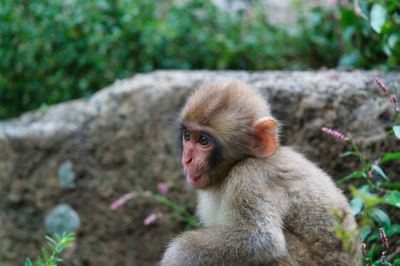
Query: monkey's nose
188	160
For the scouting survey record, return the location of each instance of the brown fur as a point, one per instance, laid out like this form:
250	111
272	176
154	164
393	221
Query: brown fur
227	111
276	210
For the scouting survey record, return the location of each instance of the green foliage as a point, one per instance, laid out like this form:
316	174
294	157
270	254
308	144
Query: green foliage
318	38
378	17
56	245
375	202
172	209
176	211
366	35
53	51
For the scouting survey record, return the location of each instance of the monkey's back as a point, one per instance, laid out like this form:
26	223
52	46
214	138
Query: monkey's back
313	200
311	197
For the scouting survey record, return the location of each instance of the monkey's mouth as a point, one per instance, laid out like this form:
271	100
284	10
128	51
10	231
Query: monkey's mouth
193	178
196	180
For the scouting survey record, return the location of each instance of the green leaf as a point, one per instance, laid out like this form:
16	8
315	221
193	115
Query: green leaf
393	39
350	153
396	130
393	198
380	171
59	260
378	262
356	205
393	230
45	255
350	59
391	185
51	240
39	262
365	189
355	174
59	237
28	262
390	157
378	17
380	217
372	200
387	50
365	232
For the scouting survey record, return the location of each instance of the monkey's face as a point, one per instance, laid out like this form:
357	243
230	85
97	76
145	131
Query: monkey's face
198	147
222	124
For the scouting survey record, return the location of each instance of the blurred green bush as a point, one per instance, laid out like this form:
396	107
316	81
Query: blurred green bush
365	35
52	51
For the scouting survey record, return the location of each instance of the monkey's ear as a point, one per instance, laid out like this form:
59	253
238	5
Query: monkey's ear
266	135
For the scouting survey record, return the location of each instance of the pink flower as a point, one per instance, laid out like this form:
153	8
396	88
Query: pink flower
371	173
364	253
363	249
153	217
395	102
383	257
122	200
393	99
385	244
331	3
384	239
382	85
162	188
336	134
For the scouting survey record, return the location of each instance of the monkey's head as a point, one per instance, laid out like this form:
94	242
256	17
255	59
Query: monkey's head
220	125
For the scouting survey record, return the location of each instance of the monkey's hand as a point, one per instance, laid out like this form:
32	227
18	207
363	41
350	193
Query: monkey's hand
226	245
178	253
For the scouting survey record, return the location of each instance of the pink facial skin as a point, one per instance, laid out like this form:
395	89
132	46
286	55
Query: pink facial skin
197	148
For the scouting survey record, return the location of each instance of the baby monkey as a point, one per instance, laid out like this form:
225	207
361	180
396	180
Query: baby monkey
260	203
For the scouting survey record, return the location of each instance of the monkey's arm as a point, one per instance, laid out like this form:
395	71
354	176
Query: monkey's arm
226	245
256	238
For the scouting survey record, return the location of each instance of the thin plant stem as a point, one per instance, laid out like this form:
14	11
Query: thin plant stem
363	161
360	156
182	213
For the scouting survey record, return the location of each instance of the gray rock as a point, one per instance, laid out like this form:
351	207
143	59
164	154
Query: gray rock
62	219
66	175
123	139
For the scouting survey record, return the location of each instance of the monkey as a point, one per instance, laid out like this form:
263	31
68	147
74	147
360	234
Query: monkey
260	203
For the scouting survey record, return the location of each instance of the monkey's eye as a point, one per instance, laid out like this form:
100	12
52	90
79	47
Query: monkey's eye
186	135
204	140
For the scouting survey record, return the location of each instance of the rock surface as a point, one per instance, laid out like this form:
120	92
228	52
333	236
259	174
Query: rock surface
122	139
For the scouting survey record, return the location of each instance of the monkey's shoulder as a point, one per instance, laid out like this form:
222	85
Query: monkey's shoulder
285	164
287	169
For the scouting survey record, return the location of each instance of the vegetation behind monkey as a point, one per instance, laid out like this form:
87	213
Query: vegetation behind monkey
260	203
